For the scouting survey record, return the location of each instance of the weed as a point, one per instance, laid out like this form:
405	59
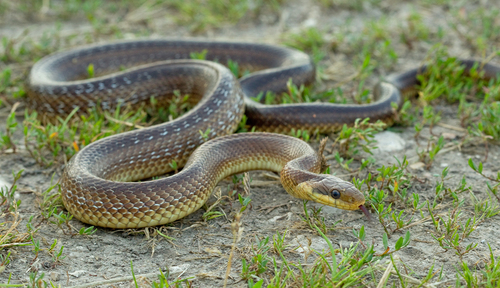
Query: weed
314	220
451	232
57	257
442	191
360	135
87	230
356	5
493	189
482	27
209	213
36	280
4	261
414	30
201	15
428	155
310	39
7	196
6	140
59	142
205	134
164	283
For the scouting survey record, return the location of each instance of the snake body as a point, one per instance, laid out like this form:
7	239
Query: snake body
96	184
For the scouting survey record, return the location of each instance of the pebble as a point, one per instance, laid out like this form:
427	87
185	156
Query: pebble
178	269
389	141
287	216
306	246
77	274
449	136
54	276
417	166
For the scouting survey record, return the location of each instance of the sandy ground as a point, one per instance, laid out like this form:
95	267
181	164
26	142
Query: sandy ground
201	249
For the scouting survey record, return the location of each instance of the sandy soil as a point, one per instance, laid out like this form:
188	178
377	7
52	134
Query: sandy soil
201	249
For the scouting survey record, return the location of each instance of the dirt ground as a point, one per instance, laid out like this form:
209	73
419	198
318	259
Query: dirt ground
200	249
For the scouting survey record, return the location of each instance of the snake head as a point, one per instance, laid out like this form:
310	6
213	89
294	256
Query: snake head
332	191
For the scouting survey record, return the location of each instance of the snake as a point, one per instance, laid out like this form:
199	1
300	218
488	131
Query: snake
99	184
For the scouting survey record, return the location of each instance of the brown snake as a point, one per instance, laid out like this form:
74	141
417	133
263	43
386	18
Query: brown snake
96	184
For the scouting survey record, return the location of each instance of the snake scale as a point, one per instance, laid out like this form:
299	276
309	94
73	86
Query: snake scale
97	184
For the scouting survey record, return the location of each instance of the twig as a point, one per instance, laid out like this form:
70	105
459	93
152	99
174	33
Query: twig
124	122
448	126
383	280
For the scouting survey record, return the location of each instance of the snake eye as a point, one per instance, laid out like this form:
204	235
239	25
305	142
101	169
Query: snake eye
335	194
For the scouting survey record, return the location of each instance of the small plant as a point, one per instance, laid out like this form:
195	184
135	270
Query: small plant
360	134
451	232
415	30
314	220
209	213
36	280
62	218
301	134
493	189
6	140
243	127
57	257
4	261
429	154
257	266
205	135
237	224
87	230
164	283
310	39
202	55
443	191
491	273
174	167
90	71
52	143
36	247
49	201
7	197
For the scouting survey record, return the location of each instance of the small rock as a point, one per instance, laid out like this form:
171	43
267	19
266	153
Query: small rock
448	136
310	22
77	274
54	276
81	248
276	218
417	166
389	141
178	269
444	165
306	246
90	259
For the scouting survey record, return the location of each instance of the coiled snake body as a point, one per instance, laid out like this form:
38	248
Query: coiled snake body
96	184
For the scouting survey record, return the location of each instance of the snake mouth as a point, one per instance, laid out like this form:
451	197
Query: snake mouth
365	211
329	201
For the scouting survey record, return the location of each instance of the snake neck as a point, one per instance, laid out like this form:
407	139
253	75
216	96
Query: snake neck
300	170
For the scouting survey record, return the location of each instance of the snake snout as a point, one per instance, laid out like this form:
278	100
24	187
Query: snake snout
333	191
